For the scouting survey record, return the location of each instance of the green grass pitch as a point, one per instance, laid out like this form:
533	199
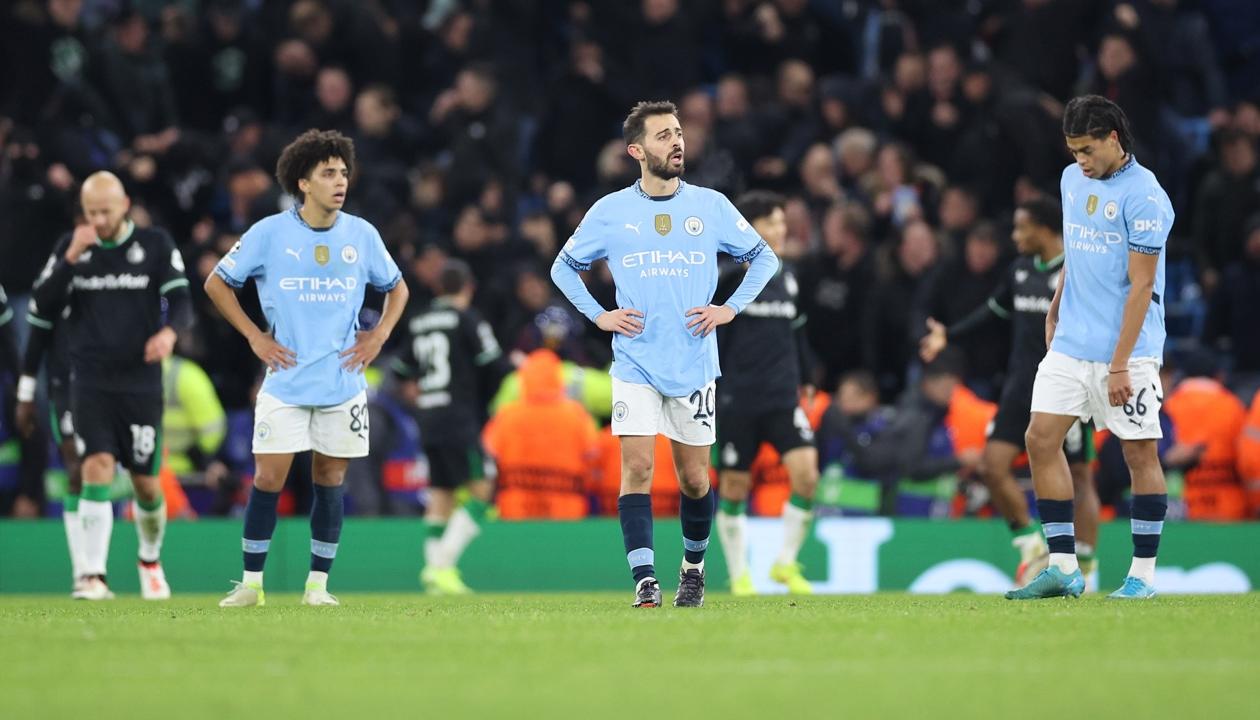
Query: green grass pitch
591	656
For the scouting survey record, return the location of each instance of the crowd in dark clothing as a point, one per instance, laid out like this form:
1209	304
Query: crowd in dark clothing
901	132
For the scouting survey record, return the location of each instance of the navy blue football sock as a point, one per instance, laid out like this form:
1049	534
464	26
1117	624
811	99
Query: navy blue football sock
635	511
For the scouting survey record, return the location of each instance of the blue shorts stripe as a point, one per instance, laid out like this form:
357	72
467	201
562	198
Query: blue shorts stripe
323	549
255	546
1147	527
640	557
1055	529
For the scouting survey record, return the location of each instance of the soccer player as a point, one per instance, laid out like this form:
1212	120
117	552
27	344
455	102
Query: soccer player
661	237
758	401
1105	331
311	265
453	355
115	278
46	346
1024	297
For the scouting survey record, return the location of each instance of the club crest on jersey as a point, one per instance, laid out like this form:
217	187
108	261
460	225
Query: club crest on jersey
663	224
135	254
1091	204
1111	210
693	225
321	254
349	255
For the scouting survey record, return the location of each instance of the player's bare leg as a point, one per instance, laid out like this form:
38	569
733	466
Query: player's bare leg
1087	509
1053	484
1150	505
150	514
328	475
696	513
732	526
270	472
798	514
96	521
1008	497
634	508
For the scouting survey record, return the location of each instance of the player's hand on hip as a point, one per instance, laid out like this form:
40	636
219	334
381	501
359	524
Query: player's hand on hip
160	346
624	321
1119	387
705	320
934	342
273	354
366	347
24	418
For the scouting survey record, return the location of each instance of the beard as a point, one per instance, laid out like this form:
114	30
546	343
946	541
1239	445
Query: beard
660	167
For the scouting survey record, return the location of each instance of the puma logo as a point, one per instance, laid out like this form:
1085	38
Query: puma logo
634	227
1135	422
706	424
297	254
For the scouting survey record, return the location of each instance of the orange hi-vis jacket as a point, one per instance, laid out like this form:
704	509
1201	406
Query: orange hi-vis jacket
544	446
968	419
1249	457
1205	412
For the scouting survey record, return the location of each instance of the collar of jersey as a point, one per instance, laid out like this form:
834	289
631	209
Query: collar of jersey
128	228
1127	164
638	187
1044	265
307	225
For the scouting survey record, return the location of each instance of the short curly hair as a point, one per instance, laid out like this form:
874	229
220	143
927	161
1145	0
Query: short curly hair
305	153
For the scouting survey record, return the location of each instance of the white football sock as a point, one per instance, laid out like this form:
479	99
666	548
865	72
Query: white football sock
150	528
733	532
692	566
460	532
250	577
318	579
795	527
1143	569
74	541
1065	562
96	519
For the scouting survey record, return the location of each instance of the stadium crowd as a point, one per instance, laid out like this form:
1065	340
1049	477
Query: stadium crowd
902	134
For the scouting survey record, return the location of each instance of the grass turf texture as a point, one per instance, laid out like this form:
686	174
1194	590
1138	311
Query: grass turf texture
591	656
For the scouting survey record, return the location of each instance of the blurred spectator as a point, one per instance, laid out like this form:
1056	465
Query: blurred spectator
957	287
1226	198
1249	458
850	426
193	426
137	85
544	446
1231	323
888	335
836	285
916	450
1208	415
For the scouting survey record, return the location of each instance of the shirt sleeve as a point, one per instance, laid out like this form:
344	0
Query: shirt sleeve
735	236
383	273
245	259
1148	219
170	271
587	244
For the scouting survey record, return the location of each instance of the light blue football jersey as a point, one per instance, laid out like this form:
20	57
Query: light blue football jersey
311	284
663	256
1104	221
